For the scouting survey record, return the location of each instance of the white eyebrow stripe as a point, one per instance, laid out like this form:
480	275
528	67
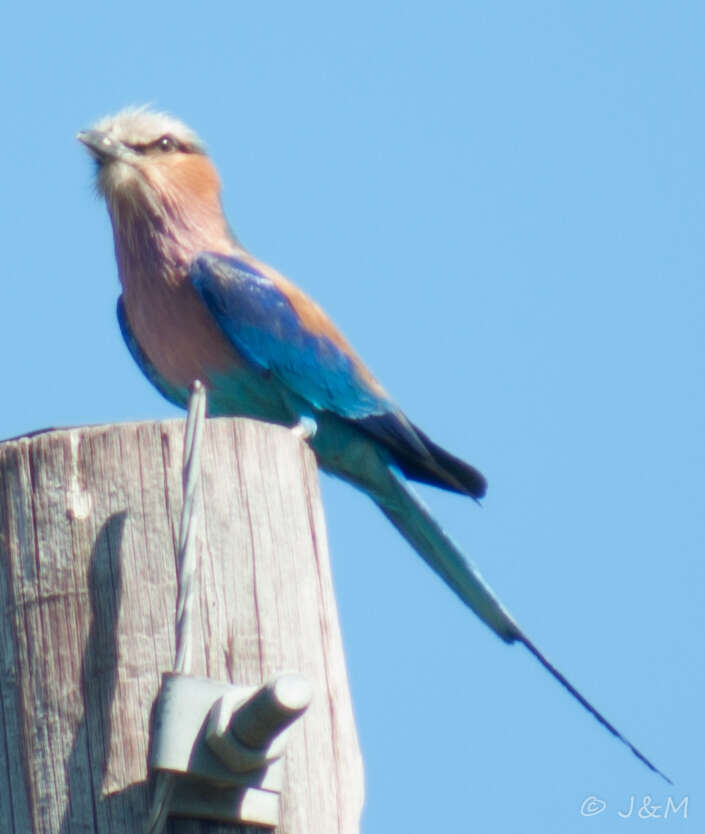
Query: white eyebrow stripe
141	126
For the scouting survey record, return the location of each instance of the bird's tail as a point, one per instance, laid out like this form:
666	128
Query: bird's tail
409	515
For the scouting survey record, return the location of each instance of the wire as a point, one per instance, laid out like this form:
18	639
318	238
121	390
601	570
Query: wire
187	564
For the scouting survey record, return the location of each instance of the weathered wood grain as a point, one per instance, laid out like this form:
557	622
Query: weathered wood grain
88	523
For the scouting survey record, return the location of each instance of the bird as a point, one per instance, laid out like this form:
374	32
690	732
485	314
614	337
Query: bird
196	305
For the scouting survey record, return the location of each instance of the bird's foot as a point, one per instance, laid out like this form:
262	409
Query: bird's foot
306	428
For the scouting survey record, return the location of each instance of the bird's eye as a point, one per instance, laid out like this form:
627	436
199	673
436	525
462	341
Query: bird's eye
166	144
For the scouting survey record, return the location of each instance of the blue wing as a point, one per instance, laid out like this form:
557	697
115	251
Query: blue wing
259	319
263	324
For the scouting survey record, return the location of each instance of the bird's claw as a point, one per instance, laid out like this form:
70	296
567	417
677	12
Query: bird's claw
305	429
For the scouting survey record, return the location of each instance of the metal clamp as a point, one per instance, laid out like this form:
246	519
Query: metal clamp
224	744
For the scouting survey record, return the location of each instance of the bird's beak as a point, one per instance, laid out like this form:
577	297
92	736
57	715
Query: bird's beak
101	147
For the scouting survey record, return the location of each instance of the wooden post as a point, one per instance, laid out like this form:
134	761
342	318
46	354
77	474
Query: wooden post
89	520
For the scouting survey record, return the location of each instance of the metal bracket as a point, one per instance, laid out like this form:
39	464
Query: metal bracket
224	743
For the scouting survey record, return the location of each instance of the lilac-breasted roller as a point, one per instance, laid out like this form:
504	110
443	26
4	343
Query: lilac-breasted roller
196	305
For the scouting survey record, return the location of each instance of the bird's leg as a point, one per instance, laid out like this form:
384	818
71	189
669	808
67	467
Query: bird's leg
306	425
306	428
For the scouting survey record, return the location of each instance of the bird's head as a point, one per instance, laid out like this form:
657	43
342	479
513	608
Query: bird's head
151	166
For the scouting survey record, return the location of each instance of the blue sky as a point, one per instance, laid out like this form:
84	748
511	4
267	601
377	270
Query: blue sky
501	204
